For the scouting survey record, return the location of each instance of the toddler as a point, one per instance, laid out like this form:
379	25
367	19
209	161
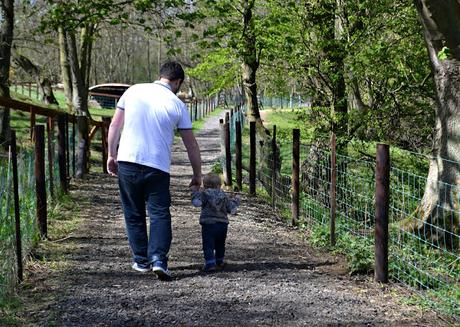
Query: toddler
215	205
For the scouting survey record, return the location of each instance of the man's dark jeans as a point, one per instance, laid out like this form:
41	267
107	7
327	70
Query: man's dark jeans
140	185
214	236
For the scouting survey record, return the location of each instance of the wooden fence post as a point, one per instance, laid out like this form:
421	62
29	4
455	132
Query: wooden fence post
17	217
252	158
61	153
274	164
238	156
32	123
295	175
333	189
196	112
50	134
382	203
104	135
67	147
74	158
40	179
228	154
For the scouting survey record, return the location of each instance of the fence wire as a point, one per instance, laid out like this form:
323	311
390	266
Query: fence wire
423	247
8	268
27	207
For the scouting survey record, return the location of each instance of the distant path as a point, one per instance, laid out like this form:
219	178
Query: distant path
273	278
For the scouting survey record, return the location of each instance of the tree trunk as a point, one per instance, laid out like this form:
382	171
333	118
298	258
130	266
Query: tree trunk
65	68
80	105
86	46
44	83
250	56
250	62
6	40
438	216
336	55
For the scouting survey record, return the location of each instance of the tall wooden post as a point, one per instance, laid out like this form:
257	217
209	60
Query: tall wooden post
382	203
74	156
252	158
104	137
67	147
274	164
40	179
17	216
295	175
238	156
50	134
228	154
61	153
333	189
32	123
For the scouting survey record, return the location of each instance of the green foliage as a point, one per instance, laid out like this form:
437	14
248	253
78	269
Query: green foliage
445	53
319	236
359	252
217	168
218	68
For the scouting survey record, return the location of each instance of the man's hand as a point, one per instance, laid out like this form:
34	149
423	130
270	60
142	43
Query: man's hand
112	166
195	183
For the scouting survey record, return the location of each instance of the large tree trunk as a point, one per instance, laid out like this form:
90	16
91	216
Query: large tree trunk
80	103
6	39
438	212
65	67
250	57
336	55
250	62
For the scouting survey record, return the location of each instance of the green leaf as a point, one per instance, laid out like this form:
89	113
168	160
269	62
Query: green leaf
445	53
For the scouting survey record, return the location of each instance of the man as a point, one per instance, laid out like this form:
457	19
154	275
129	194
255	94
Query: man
149	114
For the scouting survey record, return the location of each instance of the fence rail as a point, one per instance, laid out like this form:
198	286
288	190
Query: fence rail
44	173
385	230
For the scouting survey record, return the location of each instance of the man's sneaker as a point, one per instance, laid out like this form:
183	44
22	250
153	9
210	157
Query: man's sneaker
209	267
139	268
161	270
220	265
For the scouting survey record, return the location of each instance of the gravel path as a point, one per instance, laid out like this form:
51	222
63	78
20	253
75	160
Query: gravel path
273	277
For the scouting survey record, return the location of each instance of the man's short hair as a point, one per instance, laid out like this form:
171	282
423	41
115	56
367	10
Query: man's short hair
172	70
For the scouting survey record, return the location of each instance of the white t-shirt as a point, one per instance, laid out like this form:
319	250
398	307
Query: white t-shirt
152	113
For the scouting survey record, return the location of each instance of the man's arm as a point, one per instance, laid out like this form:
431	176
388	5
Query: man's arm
113	138
193	151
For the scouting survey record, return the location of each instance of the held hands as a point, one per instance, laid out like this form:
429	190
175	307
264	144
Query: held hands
195	183
112	166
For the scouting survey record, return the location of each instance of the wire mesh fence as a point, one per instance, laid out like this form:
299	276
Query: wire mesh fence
8	276
424	241
27	193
